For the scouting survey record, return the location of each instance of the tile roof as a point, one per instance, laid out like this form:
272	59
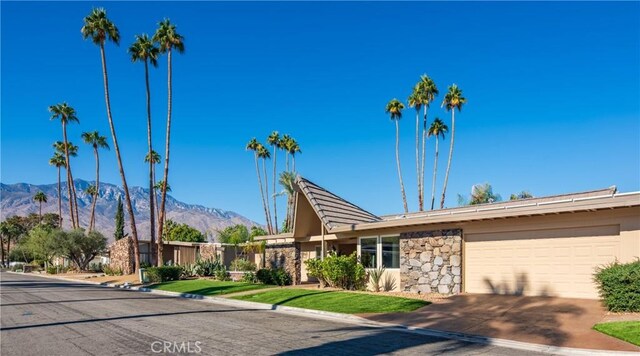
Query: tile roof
332	210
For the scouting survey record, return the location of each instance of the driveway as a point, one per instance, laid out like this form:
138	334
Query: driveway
541	320
42	316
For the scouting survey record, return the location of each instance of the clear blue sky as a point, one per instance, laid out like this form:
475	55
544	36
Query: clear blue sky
553	94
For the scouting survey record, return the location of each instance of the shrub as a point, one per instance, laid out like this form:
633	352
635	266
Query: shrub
619	286
375	276
164	273
17	267
277	276
344	272
314	269
249	277
208	268
242	264
111	271
389	283
221	274
95	267
56	269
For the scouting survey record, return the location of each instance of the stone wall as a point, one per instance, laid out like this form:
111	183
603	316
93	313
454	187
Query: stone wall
431	261
210	251
285	255
121	255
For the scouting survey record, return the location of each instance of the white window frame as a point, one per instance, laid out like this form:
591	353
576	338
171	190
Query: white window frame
378	250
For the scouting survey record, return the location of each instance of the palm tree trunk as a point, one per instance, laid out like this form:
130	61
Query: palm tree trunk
166	161
264	203
59	200
125	187
446	176
75	199
95	196
404	196
41	212
424	150
293	158
266	189
275	208
420	200
435	169
152	218
69	182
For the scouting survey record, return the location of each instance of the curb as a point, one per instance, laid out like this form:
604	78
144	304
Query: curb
352	319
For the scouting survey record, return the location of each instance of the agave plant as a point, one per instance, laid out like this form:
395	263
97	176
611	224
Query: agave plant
375	276
389	283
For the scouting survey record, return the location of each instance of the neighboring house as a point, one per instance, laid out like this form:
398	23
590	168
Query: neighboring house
546	246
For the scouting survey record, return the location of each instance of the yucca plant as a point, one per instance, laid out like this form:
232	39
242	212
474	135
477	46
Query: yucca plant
389	283
375	276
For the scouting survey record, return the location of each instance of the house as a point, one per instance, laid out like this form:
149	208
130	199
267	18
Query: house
547	246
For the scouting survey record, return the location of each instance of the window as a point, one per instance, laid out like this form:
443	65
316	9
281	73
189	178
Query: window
368	252
390	251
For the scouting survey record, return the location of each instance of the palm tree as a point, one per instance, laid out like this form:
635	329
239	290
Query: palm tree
168	40
437	129
92	191
287	180
58	161
67	114
153	158
275	142
428	90
264	154
144	50
394	109
40	197
100	29
254	145
415	101
96	141
293	148
285	143
452	100
159	186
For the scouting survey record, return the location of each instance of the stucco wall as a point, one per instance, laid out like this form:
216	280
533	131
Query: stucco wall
285	256
121	255
431	261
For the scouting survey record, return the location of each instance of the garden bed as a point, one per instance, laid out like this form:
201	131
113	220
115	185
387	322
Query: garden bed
207	287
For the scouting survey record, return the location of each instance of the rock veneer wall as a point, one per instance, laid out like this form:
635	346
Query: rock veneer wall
284	255
431	261
121	255
210	251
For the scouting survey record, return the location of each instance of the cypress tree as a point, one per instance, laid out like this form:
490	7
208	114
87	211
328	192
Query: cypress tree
119	232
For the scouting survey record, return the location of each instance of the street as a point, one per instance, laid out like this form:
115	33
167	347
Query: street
42	316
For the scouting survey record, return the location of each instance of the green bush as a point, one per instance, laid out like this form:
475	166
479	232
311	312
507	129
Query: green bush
619	286
164	273
56	269
277	276
95	267
111	271
249	277
344	272
208	268
241	264
315	269
221	274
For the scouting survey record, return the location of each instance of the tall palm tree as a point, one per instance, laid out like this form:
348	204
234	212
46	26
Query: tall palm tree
452	100
67	115
154	158
415	101
253	146
40	197
58	161
437	129
99	29
429	91
287	180
93	192
275	142
159	186
96	141
168	40
394	109
292	148
285	143
144	50
264	154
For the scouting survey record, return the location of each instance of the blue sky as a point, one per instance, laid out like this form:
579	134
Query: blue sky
553	94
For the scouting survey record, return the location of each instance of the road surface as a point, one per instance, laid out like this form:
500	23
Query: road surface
43	316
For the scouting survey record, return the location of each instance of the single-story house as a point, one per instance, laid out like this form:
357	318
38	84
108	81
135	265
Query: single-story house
548	246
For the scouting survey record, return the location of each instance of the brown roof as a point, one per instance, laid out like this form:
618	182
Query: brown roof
332	210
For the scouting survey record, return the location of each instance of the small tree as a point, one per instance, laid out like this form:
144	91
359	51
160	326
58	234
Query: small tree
235	235
42	244
119	232
522	195
182	232
80	248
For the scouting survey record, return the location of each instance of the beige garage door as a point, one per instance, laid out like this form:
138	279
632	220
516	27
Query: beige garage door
558	262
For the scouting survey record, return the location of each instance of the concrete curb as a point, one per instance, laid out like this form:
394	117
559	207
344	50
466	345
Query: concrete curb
352	319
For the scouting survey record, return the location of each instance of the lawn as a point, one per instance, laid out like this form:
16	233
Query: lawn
207	287
335	301
628	331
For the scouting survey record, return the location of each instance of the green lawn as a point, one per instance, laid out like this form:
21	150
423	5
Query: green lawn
628	331
334	301
207	287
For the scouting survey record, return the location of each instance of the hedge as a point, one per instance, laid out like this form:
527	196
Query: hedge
619	286
164	273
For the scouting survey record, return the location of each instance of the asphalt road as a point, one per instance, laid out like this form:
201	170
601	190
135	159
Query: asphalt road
42	316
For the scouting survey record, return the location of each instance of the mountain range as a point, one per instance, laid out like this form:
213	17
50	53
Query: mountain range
17	199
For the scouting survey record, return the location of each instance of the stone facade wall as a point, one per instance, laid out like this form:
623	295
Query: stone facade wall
285	255
210	251
121	255
431	261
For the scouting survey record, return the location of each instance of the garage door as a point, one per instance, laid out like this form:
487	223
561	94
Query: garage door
557	262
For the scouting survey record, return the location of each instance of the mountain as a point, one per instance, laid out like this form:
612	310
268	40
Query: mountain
17	199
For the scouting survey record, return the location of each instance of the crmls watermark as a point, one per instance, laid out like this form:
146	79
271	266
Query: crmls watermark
176	347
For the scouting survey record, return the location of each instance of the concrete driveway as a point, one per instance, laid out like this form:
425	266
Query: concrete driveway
41	316
541	320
